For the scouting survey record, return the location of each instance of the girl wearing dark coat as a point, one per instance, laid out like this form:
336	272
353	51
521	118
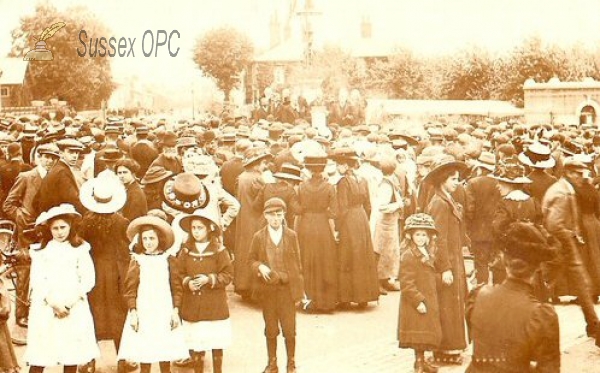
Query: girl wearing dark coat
318	207
356	259
203	270
452	285
419	318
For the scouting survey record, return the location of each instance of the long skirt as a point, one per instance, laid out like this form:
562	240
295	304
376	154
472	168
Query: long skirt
318	252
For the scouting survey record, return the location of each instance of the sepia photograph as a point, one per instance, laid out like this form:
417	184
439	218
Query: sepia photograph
299	186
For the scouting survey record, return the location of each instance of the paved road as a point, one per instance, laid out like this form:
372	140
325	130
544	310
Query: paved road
347	341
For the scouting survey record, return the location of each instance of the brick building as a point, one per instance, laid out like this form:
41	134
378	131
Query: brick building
14	83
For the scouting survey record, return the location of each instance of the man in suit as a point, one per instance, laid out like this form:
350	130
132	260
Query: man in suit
143	151
229	172
561	218
10	170
275	260
60	184
482	196
263	111
18	206
539	158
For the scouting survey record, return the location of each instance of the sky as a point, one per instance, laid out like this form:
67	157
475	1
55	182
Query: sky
425	26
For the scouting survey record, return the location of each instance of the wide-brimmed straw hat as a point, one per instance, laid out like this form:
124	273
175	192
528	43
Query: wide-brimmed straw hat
344	154
155	174
64	209
155	222
537	155
210	213
254	155
510	171
104	194
290	172
185	192
443	164
315	161
486	160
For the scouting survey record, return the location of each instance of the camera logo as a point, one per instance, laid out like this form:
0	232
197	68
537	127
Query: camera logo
40	53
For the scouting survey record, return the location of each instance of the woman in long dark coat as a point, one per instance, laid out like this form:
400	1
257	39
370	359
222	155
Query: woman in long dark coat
452	284
588	203
318	206
105	230
356	259
249	221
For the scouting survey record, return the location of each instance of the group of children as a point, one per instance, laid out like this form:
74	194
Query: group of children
177	305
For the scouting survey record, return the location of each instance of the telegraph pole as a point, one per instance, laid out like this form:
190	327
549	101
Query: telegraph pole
307	14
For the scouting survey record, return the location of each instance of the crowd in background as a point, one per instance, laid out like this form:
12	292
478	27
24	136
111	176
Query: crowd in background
176	210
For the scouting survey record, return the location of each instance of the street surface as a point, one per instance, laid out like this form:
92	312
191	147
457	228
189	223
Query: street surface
352	341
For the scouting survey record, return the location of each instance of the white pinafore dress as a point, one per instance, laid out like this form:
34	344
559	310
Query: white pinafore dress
154	341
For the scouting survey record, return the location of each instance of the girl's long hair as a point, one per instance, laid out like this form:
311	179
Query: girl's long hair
73	238
138	247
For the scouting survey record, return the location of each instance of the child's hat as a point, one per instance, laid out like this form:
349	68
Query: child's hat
419	221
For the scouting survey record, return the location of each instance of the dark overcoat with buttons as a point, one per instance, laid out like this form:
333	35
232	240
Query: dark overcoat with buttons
210	302
511	330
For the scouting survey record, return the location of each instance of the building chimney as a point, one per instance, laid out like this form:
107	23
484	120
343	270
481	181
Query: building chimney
275	31
366	28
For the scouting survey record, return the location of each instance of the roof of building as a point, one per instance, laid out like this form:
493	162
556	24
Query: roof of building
293	50
12	70
555	83
442	107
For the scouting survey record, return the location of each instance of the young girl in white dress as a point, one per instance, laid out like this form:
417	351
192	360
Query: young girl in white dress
61	327
152	332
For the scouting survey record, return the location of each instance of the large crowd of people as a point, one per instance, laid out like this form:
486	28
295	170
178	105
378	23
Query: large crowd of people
131	229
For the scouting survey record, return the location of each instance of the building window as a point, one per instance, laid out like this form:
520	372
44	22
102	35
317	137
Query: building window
4	91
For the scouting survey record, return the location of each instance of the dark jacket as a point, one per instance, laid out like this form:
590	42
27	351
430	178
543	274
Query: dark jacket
59	186
136	204
258	256
540	182
144	153
230	171
18	205
9	173
511	329
482	196
210	303
418	284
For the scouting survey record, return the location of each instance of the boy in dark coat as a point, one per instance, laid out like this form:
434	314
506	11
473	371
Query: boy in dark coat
275	259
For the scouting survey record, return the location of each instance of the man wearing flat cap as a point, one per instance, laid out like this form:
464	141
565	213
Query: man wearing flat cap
562	216
511	330
18	206
61	183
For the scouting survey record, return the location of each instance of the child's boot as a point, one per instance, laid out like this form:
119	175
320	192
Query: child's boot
290	347
217	356
272	352
198	358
